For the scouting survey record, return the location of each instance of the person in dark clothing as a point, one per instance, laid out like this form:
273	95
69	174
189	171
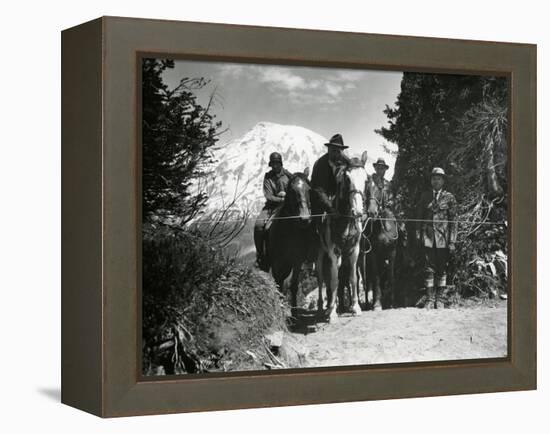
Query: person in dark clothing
274	186
323	176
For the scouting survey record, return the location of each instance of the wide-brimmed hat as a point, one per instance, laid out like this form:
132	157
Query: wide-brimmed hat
337	141
380	162
275	157
438	171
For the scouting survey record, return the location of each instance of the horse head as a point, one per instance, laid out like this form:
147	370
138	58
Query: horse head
351	180
372	207
297	199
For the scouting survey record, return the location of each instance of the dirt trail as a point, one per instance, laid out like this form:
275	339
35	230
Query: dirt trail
407	335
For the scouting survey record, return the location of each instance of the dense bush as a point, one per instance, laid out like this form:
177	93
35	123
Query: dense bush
202	310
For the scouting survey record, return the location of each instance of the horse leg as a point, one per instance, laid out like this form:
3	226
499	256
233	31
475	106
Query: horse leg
369	280
280	271
342	284
332	286
361	274
353	282
326	278
294	285
320	279
377	271
391	277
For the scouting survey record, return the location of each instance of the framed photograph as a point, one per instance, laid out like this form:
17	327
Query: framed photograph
259	217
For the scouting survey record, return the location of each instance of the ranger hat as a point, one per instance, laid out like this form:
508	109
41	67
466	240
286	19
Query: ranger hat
275	157
380	162
438	171
337	141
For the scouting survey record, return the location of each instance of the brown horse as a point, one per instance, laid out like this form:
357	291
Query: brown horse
378	252
340	235
291	238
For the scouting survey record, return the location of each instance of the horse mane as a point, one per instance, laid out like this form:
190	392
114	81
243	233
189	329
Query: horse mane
284	208
300	175
355	162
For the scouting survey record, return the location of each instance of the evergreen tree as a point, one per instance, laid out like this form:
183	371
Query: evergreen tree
459	123
178	134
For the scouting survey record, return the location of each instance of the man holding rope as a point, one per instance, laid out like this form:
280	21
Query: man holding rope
436	232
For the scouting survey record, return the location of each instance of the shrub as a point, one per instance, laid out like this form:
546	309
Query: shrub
203	310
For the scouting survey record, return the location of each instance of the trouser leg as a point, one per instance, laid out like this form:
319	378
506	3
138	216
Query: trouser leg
442	258
429	271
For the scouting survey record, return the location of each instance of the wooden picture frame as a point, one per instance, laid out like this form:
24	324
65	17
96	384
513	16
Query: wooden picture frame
100	235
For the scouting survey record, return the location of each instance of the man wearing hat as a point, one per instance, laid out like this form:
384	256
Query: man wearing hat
379	187
323	175
436	232
274	187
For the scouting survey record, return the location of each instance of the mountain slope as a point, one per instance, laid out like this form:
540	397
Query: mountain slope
243	162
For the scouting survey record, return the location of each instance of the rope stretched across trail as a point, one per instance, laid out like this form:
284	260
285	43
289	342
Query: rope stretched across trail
342	215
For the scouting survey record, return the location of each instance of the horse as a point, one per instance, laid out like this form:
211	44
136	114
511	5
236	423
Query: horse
379	243
291	238
340	235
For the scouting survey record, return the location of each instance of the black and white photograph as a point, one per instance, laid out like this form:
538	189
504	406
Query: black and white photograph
250	218
297	217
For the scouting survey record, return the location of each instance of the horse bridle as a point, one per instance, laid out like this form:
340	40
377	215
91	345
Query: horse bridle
350	195
355	191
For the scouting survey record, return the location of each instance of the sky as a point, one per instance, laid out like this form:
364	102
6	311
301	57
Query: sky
325	100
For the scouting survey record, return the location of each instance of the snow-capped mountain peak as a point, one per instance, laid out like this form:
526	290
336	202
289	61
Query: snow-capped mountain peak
243	162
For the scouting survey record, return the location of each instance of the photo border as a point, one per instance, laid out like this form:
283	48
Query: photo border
363	67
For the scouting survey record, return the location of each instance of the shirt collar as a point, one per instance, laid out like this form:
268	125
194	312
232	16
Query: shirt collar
333	166
378	179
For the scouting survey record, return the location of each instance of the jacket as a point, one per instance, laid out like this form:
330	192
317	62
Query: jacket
273	184
323	186
440	230
381	190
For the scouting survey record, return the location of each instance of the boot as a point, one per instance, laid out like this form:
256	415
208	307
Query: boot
430	298
439	301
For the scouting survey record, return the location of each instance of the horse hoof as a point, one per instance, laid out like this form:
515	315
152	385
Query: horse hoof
332	316
356	310
377	307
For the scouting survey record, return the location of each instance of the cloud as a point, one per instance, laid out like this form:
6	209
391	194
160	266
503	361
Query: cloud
282	78
303	90
303	86
233	70
350	75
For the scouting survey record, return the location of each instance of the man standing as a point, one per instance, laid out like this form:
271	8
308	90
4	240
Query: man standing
274	186
379	187
323	176
436	231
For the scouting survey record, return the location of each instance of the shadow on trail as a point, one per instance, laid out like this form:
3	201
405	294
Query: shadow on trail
306	321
